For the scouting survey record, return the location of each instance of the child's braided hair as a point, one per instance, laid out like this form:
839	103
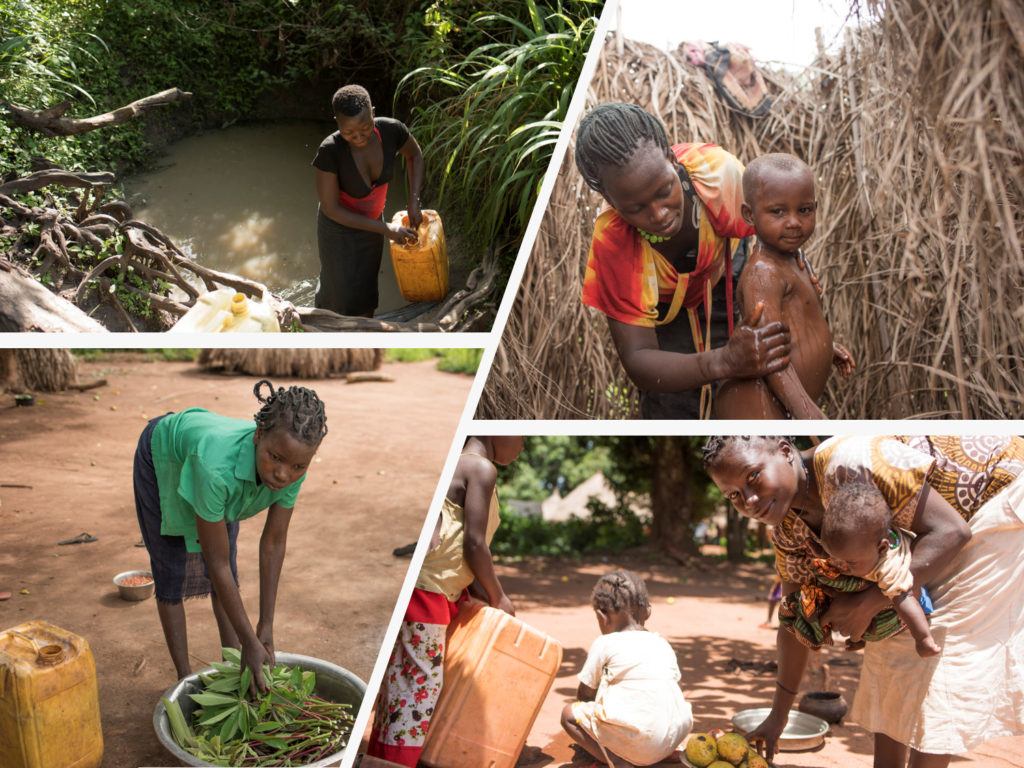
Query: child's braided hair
621	590
609	135
296	409
715	444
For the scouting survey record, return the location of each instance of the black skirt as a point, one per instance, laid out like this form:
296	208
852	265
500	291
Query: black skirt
178	574
349	265
677	337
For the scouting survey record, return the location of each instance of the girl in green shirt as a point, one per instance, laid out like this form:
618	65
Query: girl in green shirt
196	475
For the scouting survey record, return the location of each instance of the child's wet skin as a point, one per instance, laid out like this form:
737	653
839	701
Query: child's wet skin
778	279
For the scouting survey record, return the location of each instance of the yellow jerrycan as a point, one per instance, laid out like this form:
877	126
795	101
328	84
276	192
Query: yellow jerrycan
49	700
496	674
225	310
421	268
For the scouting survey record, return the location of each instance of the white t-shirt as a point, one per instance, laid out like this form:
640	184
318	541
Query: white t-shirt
636	678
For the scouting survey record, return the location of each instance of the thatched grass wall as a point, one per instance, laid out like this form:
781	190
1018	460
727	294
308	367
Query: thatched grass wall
300	363
915	134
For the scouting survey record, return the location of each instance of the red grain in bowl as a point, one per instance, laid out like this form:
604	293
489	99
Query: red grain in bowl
135	581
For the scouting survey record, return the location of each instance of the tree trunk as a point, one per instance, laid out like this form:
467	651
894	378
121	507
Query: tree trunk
735	535
672	497
37	370
25	305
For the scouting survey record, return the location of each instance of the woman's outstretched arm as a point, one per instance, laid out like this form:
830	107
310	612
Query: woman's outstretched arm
414	175
327	193
273	544
750	353
792	660
213	540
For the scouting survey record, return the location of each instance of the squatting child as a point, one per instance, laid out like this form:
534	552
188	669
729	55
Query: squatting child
630	710
777	284
459	558
857	530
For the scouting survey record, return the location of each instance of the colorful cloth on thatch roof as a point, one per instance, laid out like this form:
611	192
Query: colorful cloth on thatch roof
626	278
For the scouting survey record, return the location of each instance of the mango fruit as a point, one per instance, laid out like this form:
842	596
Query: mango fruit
733	747
700	750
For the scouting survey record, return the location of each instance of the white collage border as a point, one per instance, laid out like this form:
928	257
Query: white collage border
488	342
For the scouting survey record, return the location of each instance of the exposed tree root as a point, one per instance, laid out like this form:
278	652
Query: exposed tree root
51	122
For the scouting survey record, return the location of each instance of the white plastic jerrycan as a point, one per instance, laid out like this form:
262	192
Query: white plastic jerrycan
225	310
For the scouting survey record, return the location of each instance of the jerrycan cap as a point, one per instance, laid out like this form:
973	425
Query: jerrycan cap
239	304
50	655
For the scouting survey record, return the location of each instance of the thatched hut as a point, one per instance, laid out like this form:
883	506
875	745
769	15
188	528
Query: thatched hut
37	370
298	363
915	130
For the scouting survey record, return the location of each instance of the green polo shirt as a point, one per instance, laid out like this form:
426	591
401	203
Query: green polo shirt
206	467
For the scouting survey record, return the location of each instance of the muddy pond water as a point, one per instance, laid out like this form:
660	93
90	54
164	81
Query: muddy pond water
243	200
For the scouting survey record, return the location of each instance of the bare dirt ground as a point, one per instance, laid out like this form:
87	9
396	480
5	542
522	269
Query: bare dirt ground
710	614
367	492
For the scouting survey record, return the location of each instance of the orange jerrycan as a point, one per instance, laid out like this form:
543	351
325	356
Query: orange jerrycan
49	701
421	268
496	674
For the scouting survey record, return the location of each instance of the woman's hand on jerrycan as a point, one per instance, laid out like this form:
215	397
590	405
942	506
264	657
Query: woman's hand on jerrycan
415	215
504	604
755	350
401	235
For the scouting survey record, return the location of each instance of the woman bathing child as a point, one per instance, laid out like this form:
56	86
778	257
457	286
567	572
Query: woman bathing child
630	710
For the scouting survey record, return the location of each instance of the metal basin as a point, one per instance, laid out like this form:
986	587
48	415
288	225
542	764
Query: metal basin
802	731
332	682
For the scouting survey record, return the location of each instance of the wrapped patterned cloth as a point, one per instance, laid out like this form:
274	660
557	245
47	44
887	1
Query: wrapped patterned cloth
627	279
971	692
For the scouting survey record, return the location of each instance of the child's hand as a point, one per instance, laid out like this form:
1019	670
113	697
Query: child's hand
801	262
843	360
504	604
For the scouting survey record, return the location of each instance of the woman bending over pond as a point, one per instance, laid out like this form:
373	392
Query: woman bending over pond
353	168
963	499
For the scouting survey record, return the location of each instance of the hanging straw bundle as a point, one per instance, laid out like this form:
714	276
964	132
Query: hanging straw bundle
919	154
300	363
915	133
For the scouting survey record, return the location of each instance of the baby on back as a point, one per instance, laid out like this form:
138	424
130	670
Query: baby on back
777	284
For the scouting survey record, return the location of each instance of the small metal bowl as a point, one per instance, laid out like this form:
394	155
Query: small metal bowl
802	731
128	592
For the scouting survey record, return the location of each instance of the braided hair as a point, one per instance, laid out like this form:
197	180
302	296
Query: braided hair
350	100
622	591
715	444
610	134
296	409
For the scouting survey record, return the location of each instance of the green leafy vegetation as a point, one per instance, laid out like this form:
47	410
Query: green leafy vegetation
607	530
287	725
172	355
490	118
449	360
